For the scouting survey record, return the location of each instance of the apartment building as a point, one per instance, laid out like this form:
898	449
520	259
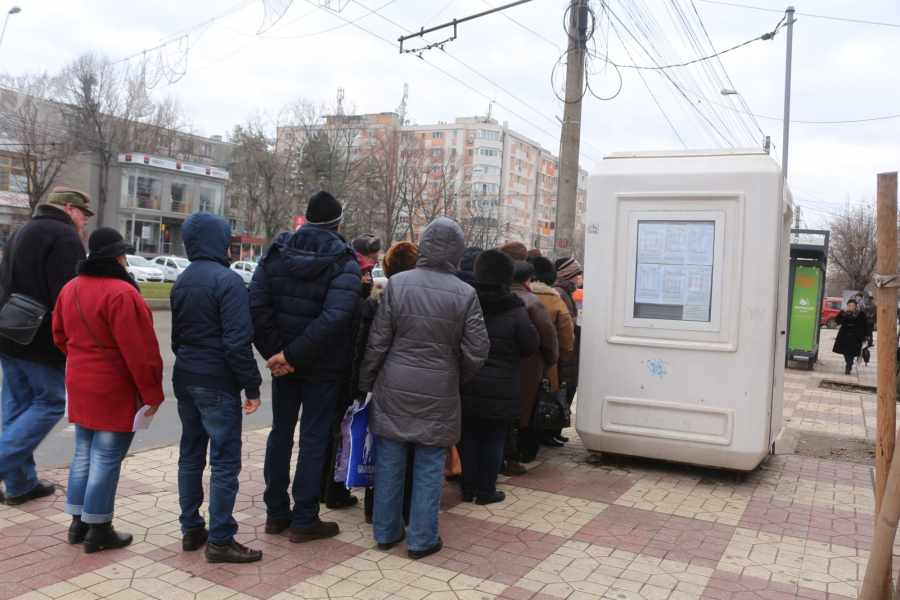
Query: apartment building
502	180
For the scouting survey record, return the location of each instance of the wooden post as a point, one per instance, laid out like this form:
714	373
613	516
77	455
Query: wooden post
876	585
887	354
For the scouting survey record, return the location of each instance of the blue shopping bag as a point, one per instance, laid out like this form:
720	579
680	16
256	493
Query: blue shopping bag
361	460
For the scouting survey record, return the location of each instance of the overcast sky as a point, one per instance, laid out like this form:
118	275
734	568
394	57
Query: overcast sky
842	71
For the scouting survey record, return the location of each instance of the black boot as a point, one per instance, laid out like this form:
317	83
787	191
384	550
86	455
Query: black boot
104	537
77	530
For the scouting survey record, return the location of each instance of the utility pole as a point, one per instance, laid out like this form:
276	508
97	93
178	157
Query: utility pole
797	218
787	92
570	140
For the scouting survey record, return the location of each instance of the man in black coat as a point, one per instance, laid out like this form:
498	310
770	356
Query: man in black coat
39	259
303	297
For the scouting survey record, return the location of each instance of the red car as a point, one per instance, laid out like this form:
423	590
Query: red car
830	309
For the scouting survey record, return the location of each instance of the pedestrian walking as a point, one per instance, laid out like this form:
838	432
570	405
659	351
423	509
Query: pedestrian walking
493	397
851	335
38	260
369	245
302	298
428	337
400	257
335	494
568	277
105	329
531	371
541	284
212	338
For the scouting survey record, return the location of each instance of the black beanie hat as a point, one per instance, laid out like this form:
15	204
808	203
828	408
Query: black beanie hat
493	266
324	211
106	242
524	270
544	270
367	243
467	262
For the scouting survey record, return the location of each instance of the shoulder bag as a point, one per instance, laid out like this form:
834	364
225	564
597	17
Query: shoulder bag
21	316
138	403
550	408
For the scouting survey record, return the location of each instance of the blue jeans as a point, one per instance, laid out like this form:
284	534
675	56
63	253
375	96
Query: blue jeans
481	453
209	418
318	401
94	474
390	473
33	400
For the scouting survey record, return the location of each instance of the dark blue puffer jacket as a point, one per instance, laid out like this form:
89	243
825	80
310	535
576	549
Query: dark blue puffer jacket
212	332
303	296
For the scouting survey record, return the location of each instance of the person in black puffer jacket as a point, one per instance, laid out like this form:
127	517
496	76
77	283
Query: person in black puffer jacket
303	296
492	398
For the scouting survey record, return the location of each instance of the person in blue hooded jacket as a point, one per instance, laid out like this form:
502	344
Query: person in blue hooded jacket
212	338
303	297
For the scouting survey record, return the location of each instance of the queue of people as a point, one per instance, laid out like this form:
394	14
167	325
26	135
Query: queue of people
451	352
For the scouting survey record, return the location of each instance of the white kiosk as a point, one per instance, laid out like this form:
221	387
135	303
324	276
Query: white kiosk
684	319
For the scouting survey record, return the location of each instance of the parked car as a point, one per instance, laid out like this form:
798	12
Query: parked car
378	277
171	266
142	270
244	269
830	309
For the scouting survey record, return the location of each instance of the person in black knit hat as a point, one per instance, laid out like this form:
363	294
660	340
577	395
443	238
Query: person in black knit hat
466	270
303	297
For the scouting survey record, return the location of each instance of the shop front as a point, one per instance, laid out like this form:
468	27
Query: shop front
246	248
14	211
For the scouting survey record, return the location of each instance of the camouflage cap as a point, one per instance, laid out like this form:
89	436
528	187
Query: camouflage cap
64	195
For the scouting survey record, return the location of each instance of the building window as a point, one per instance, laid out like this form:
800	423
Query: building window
238	225
454	134
288	136
488	134
210	200
452	151
185	145
486	188
434	185
488	152
471	152
181	196
439	152
437	135
140	190
13	177
490	170
206	150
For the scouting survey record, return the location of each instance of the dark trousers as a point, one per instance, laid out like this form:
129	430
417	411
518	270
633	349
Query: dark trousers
481	453
849	358
369	501
317	401
210	419
529	443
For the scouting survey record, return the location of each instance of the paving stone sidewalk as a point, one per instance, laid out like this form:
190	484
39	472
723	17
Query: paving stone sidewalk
572	527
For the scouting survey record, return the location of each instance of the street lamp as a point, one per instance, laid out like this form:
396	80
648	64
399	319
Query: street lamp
728	93
13	11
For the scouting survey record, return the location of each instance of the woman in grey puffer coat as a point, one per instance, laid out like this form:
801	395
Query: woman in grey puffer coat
428	337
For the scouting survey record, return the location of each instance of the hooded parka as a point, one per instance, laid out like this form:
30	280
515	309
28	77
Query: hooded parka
427	337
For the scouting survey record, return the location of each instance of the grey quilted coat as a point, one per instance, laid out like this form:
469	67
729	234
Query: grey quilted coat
428	336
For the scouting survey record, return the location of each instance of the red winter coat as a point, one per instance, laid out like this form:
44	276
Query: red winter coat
99	397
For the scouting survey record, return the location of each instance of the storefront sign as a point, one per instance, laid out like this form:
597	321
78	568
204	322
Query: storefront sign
172	165
805	309
299	222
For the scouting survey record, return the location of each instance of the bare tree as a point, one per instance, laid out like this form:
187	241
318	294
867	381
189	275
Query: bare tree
34	126
852	246
262	173
443	178
110	109
482	220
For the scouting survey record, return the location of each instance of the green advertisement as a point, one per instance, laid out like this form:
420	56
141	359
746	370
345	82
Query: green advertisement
805	309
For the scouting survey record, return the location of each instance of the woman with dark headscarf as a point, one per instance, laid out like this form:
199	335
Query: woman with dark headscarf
105	329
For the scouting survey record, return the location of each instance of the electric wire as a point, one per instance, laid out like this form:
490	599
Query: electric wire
803	14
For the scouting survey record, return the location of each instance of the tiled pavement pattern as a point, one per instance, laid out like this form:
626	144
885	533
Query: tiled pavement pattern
572	527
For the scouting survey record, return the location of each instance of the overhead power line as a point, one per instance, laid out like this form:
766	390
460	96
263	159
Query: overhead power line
804	14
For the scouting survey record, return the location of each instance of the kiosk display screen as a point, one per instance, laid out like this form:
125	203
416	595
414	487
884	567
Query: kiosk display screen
674	273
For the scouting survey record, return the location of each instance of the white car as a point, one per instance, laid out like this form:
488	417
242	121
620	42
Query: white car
378	277
142	270
244	269
171	266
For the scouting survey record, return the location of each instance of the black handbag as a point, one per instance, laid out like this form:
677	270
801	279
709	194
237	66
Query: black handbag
21	316
550	408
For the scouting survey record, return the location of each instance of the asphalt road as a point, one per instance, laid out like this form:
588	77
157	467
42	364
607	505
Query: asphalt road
59	446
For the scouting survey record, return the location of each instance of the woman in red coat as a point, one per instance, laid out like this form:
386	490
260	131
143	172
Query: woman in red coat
105	329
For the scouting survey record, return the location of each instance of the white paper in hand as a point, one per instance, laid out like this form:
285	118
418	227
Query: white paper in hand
141	420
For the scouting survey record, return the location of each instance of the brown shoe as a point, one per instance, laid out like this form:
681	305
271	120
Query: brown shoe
235	553
322	531
276	526
192	541
514	468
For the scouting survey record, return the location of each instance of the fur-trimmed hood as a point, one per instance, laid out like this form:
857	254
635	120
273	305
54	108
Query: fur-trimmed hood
539	287
377	294
106	267
495	297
